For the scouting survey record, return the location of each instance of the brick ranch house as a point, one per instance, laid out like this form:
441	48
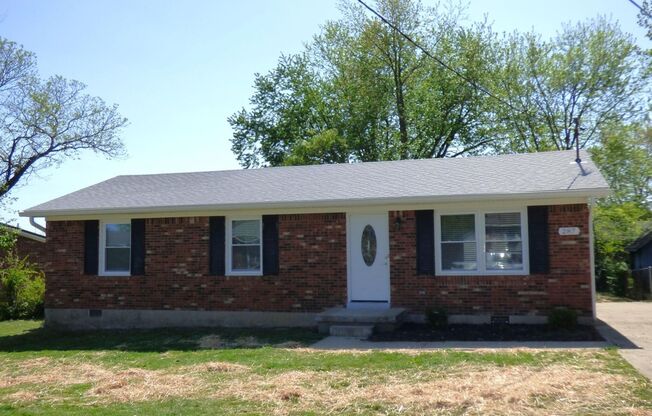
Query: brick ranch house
28	244
495	237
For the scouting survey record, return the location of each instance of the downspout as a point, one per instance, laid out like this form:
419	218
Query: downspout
591	202
36	225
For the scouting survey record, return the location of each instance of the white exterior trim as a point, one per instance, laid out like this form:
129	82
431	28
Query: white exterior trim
592	258
23	233
101	267
480	242
443	204
228	245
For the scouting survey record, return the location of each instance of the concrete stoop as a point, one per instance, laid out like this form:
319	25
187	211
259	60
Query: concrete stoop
359	323
357	331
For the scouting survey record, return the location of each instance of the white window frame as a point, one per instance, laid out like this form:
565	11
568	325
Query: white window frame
229	244
102	246
480	235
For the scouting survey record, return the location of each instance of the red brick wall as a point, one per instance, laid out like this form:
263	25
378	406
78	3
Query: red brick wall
312	270
568	282
36	251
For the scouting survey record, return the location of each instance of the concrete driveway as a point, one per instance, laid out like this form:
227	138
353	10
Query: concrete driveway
629	326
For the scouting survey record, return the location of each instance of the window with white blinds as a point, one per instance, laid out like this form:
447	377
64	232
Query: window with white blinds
245	246
481	243
458	242
503	242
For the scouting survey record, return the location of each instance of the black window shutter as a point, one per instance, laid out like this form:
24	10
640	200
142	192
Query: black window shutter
91	246
270	244
425	241
216	245
537	217
137	247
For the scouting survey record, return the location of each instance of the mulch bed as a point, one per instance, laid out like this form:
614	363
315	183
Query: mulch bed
424	332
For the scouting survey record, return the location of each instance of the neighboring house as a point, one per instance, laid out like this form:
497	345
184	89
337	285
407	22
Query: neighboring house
641	252
496	237
29	244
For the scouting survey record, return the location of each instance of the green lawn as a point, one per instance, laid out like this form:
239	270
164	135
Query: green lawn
166	372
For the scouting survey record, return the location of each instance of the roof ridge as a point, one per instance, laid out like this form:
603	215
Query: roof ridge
374	162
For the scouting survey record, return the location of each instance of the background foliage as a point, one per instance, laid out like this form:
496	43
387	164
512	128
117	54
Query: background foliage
22	284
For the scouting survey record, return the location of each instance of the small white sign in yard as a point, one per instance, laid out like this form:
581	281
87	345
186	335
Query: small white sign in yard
569	230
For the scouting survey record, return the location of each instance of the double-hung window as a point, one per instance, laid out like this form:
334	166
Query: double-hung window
115	248
481	243
458	242
245	248
503	241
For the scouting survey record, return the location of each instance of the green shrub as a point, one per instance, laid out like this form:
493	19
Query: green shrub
562	318
437	317
22	288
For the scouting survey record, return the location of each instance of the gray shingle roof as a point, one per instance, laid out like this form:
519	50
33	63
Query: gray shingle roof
507	176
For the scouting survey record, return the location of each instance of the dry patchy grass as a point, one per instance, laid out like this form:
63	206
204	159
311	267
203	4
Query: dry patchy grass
559	388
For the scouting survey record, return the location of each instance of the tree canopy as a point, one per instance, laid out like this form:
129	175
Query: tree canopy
591	74
372	91
43	122
360	91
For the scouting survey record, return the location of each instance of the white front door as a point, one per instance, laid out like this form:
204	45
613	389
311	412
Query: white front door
368	244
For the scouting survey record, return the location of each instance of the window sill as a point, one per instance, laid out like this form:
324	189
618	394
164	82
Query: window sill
114	275
483	273
243	274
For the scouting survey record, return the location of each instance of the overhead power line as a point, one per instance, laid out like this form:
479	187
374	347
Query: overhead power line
636	4
435	58
640	8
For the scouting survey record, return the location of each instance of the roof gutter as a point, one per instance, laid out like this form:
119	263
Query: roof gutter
582	193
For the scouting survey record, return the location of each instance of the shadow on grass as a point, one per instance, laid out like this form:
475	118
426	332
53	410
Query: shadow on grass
154	340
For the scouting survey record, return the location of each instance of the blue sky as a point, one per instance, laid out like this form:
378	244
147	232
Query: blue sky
178	69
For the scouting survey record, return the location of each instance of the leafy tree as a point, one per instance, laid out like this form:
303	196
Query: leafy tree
46	121
7	240
289	108
616	225
645	17
373	90
588	76
22	288
624	155
324	147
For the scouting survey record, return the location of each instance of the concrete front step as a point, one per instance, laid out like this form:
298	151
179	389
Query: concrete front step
381	320
357	331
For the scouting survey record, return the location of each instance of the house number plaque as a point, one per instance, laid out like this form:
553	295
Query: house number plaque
569	230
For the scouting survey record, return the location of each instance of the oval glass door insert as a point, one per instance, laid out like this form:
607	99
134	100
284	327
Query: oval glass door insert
368	245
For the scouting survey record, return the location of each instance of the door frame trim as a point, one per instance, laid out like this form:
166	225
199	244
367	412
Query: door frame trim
349	273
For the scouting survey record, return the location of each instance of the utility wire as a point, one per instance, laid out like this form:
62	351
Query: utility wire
636	4
434	57
640	8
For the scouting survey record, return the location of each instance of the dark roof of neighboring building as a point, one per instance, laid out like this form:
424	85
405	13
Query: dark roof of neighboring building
24	233
530	175
640	242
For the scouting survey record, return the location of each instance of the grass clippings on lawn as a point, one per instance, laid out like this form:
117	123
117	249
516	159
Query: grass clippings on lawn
563	388
477	390
136	379
46	379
